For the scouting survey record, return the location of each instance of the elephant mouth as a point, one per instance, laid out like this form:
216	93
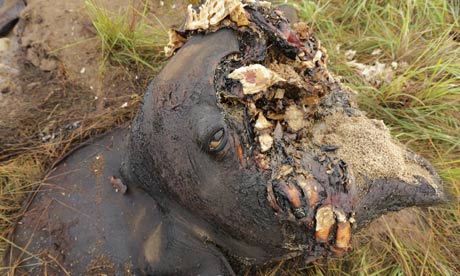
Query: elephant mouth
323	157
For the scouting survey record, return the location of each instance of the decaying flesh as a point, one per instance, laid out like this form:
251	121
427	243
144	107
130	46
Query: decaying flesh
276	88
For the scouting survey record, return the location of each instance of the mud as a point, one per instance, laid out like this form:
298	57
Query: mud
383	157
50	79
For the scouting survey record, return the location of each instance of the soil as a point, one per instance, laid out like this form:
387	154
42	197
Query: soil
52	94
384	156
50	82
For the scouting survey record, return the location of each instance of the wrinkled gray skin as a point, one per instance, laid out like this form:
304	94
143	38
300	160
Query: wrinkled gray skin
9	14
187	209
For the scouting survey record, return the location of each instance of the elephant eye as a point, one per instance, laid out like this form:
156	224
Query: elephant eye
217	141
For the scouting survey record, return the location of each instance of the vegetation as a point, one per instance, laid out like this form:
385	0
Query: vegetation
420	103
419	98
130	35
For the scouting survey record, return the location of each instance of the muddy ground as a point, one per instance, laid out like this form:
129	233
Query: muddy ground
56	91
50	76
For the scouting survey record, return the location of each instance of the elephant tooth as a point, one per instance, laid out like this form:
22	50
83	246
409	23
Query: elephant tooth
255	78
343	237
292	193
324	222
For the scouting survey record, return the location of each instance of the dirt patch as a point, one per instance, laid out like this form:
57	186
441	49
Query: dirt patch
52	94
384	157
59	36
50	80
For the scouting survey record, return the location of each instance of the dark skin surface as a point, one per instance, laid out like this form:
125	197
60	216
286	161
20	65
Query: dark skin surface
79	224
9	14
194	194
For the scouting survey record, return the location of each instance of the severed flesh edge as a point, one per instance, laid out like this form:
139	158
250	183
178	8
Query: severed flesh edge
276	88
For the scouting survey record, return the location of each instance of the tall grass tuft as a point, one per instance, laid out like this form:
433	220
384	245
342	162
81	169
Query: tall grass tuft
129	35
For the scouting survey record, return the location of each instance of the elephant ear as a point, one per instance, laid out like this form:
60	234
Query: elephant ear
386	175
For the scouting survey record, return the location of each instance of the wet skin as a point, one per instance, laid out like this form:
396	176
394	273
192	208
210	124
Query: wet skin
78	224
194	193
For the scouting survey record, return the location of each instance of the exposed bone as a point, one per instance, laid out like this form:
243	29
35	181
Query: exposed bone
284	170
374	74
285	83
287	72
340	215
278	133
294	118
350	54
255	78
275	116
252	109
175	42
343	236
279	94
238	15
214	12
265	4
308	64
195	20
266	142
262	122
318	56
324	222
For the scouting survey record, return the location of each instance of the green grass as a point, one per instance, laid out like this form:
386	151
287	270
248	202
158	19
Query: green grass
421	105
129	36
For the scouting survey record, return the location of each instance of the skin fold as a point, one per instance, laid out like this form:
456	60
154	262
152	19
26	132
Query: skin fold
9	14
